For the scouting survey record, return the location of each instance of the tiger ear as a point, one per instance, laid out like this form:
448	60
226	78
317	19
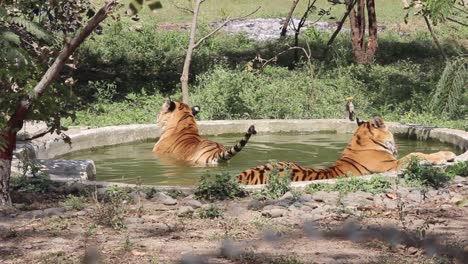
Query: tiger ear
359	122
378	122
195	110
171	106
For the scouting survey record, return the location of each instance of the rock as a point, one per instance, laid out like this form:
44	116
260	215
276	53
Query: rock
134	220
101	192
274	213
326	197
54	211
311	204
34	214
446	207
287	195
79	213
185	211
305	198
415	196
138	196
412	250
8	210
358	199
193	203
75	188
271	207
164	199
456	198
255	205
284	202
459	179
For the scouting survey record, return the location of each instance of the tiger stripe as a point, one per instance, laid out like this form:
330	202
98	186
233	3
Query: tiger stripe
180	137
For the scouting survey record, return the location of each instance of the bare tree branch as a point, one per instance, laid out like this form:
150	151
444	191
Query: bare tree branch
222	25
457	22
340	25
436	41
284	29
183	8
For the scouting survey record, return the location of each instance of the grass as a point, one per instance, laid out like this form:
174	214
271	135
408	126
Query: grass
388	11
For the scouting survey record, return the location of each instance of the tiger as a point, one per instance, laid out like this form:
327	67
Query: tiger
371	149
180	138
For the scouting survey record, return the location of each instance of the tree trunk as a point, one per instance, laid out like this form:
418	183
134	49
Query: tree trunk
372	43
363	52
5	170
15	123
288	18
188	57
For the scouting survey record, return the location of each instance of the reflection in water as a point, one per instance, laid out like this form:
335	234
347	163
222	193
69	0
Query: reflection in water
133	163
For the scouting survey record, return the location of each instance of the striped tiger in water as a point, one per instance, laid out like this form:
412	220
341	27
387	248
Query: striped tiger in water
372	149
180	137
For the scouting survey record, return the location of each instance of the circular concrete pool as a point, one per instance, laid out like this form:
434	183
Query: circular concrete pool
313	142
135	163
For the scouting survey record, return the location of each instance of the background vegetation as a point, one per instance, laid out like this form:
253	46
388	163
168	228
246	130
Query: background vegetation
124	72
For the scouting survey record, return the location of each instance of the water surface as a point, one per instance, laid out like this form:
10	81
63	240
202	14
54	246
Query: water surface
133	163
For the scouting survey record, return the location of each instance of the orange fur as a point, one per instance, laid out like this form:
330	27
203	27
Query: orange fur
371	150
180	138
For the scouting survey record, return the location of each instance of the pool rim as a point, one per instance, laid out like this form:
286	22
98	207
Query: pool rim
51	146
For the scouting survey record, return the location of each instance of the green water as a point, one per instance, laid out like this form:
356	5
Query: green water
133	163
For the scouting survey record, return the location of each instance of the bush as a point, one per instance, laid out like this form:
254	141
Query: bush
111	212
210	212
219	187
39	184
277	184
376	184
74	202
238	94
417	174
459	169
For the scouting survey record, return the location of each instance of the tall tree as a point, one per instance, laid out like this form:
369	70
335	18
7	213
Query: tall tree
363	51
193	43
25	101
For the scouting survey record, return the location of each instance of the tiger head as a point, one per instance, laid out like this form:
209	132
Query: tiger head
173	112
374	134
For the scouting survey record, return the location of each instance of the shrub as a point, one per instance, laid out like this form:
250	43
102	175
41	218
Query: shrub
277	184
111	212
376	184
459	169
417	174
74	202
210	212
219	187
40	183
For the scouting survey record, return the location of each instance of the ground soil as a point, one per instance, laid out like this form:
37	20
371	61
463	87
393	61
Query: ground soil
309	230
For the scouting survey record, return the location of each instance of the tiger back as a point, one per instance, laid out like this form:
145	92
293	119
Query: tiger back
180	138
372	149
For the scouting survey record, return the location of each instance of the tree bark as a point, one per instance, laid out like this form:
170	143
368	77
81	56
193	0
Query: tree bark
363	52
188	57
284	29
372	43
15	123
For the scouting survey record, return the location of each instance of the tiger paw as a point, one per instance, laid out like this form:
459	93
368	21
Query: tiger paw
252	130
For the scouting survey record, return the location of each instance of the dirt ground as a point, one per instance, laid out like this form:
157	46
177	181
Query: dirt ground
395	227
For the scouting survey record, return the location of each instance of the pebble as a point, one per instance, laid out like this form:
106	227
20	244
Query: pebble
275	212
193	203
185	211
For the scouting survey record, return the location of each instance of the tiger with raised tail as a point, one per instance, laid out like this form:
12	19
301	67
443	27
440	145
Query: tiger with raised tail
372	149
180	138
